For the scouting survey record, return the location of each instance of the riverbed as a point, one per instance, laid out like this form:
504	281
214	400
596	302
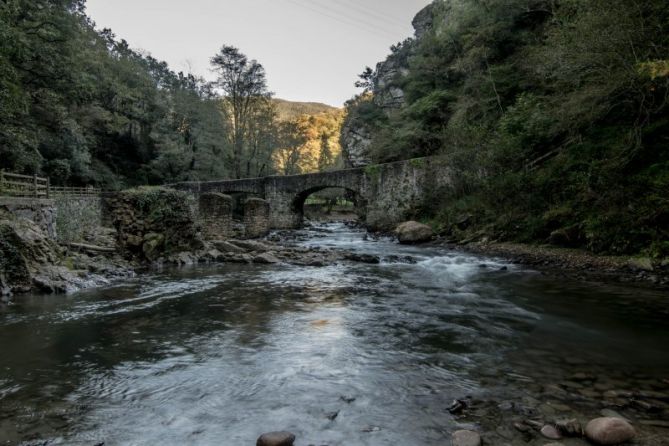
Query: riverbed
343	354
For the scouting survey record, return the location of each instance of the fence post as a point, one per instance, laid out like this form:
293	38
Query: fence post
36	191
2	181
48	188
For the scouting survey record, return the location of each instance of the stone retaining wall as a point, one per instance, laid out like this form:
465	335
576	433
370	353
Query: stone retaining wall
154	222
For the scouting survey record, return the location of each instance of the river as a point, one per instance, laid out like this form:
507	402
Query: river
346	354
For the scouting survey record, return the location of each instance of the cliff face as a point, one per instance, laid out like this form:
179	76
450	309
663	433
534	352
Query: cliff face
387	93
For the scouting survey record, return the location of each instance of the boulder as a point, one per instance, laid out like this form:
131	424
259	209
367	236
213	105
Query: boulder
609	431
414	232
550	432
24	250
267	257
276	439
465	438
362	258
251	245
227	247
212	255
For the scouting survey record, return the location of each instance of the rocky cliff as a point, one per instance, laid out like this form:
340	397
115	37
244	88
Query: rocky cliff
386	93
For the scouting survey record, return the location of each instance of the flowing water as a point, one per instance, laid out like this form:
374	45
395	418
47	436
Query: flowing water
346	354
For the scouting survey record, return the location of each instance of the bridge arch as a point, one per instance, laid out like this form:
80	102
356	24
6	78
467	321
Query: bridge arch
301	197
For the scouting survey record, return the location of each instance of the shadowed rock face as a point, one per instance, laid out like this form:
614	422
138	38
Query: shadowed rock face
423	21
29	258
387	93
355	141
14	269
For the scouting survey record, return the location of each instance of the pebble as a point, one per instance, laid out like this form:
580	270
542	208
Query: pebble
457	406
609	431
465	438
276	439
550	432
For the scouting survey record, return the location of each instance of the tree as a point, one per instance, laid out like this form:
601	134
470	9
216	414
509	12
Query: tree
366	81
325	157
243	83
287	156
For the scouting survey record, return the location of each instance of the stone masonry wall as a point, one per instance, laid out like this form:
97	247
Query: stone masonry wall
215	215
395	191
152	222
256	218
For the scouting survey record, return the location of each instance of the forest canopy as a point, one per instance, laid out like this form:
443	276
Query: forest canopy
552	113
81	106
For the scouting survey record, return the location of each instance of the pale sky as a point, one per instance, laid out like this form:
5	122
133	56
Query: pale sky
312	50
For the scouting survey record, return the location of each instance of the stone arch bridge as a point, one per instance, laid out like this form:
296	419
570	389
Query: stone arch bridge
385	194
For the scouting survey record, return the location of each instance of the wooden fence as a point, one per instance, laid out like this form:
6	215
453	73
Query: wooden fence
15	185
56	191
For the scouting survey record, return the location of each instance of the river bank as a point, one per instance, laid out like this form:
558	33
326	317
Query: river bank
574	264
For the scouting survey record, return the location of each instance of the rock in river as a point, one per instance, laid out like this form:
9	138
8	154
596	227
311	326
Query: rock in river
465	438
267	257
414	232
550	432
362	258
609	430
276	439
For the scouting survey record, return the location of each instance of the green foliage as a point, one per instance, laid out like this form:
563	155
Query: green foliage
81	106
553	116
373	172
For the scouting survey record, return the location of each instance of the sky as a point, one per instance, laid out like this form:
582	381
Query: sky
312	50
